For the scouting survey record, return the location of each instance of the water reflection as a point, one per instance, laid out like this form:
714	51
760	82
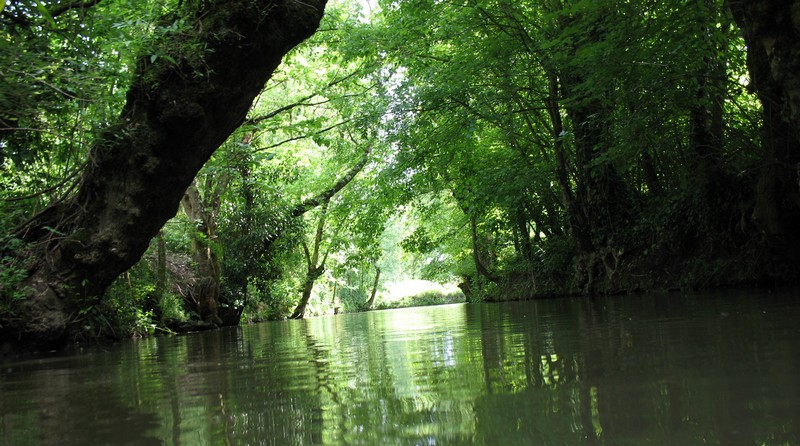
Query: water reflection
635	370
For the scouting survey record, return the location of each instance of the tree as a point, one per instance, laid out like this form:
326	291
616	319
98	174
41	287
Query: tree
203	211
539	146
620	130
315	266
183	102
773	57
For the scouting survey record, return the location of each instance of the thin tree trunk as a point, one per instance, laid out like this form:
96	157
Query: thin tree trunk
312	258
524	236
371	300
706	136
577	221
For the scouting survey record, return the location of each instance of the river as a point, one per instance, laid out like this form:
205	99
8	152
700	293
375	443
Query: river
667	369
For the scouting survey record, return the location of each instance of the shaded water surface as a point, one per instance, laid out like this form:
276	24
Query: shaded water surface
658	369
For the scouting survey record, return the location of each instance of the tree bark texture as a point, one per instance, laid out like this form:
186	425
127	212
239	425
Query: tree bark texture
176	115
771	30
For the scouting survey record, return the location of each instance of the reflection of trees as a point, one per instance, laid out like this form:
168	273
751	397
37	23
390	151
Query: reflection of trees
531	377
678	389
555	372
405	388
271	400
612	371
46	394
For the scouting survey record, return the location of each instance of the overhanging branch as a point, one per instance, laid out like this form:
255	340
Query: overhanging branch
326	195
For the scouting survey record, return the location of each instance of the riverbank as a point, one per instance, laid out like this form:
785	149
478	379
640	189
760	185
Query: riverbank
657	272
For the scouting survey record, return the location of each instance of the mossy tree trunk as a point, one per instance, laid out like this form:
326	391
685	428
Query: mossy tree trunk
177	113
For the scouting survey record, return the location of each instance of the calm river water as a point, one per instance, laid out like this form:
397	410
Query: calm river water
657	369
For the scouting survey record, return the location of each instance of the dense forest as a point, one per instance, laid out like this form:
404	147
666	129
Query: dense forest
190	164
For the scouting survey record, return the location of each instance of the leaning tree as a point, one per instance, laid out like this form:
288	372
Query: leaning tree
178	111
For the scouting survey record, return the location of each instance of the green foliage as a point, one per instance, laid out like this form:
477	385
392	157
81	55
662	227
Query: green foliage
13	267
12	273
432	297
555	261
353	298
52	109
134	306
628	82
183	56
551	141
122	312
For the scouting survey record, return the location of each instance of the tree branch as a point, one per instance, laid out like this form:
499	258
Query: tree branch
296	138
315	201
301	102
64	7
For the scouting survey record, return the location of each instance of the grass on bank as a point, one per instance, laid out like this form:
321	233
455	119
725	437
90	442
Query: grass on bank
417	293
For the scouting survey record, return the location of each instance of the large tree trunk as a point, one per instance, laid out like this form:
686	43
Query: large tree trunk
771	31
175	116
600	206
602	200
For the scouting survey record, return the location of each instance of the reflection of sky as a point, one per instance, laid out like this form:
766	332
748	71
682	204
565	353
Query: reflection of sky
443	354
418	348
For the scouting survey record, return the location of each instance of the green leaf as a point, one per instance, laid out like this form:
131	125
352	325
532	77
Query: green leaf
170	59
45	13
